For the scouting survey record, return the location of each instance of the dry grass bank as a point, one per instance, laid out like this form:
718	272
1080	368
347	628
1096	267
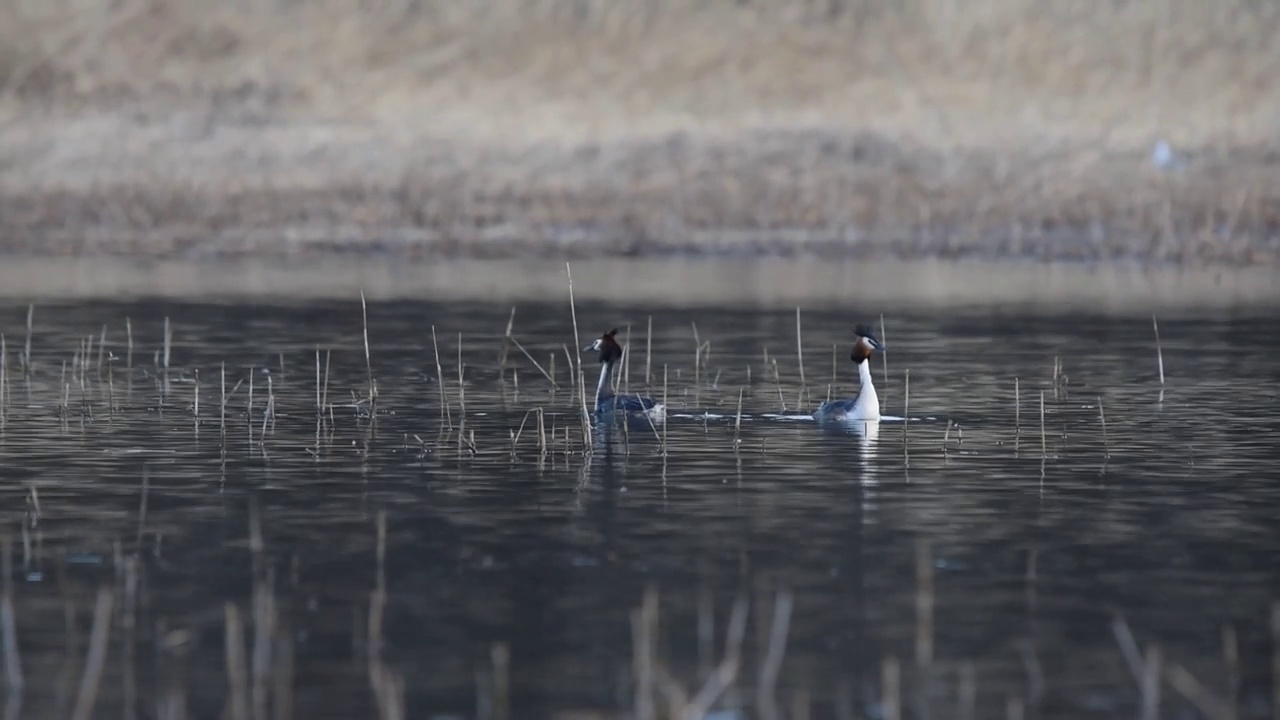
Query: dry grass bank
538	126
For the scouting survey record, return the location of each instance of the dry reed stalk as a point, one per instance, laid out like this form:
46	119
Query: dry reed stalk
737	422
766	691
520	347
26	349
1102	417
777	379
577	347
800	353
128	334
445	412
462	399
1017	406
946	437
924	604
697	364
248	408
665	408
195	410
891	689
626	362
222	399
1044	438
502	355
102	344
648	351
268	413
368	357
319	406
906	399
237	664
884	354
1159	353
168	343
96	658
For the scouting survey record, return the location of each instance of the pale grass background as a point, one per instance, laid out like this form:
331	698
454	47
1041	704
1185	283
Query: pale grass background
920	126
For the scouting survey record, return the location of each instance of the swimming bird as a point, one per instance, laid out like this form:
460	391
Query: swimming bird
609	404
865	405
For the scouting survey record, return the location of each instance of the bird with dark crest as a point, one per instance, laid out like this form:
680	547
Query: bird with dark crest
607	402
865	405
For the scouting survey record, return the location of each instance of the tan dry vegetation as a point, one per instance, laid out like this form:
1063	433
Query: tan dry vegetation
516	126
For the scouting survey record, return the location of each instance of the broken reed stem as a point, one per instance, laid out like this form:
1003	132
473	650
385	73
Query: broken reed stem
368	358
1159	353
168	342
96	658
128	334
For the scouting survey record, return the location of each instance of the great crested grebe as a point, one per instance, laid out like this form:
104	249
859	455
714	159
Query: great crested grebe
609	404
865	405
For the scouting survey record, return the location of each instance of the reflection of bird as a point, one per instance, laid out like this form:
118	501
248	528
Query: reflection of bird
607	402
865	405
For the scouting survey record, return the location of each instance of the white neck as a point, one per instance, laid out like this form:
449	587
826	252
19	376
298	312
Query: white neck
867	407
603	389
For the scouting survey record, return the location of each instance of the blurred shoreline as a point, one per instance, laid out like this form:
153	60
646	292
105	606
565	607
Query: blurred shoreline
1146	131
886	286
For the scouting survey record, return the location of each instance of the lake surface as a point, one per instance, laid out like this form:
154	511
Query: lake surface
970	552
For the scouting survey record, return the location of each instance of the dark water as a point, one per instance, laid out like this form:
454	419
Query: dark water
1032	544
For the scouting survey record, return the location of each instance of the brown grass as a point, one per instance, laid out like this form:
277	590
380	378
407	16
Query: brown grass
515	126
